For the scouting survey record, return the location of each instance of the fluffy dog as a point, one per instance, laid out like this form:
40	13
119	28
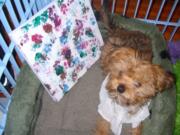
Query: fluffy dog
132	80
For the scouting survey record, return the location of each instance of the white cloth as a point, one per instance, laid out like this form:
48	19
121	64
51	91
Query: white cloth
117	114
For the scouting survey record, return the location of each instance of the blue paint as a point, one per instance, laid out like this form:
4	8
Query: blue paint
64	39
65	88
47	48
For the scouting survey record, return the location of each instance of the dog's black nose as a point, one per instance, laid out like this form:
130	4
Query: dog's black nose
121	88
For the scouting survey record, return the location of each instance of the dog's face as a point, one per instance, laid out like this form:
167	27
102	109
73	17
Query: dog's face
138	84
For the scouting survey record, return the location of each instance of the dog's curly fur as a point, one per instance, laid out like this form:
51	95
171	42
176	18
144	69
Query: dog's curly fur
127	58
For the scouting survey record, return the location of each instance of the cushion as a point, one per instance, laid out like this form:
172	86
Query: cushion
25	105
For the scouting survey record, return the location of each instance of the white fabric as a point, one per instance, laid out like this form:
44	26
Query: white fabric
117	114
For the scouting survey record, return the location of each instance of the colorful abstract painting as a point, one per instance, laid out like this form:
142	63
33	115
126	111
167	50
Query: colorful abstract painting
60	43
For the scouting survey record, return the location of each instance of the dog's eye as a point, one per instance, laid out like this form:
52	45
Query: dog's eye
121	88
137	84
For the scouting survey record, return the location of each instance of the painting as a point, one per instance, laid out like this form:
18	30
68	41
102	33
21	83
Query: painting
60	43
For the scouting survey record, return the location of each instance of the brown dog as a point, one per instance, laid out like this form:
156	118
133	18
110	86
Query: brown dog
132	78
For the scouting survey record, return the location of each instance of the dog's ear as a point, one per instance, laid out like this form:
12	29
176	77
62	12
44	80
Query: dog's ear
163	79
170	78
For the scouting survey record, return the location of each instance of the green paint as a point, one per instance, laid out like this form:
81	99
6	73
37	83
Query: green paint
83	54
44	16
37	21
59	70
35	46
89	33
94	49
26	27
38	56
60	2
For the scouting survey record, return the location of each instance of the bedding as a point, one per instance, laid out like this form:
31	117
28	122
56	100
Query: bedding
25	105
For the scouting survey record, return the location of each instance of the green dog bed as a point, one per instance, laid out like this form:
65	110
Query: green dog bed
26	101
26	104
163	106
